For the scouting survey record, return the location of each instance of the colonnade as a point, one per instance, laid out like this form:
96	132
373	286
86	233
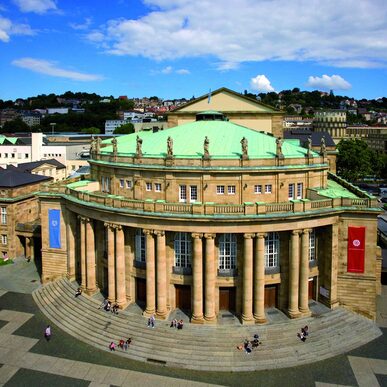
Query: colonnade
204	271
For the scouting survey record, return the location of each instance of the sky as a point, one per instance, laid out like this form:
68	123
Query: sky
184	48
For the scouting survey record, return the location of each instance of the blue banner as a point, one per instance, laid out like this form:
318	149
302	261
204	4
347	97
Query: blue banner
54	228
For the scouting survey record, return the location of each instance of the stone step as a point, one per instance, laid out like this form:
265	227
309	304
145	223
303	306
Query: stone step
202	347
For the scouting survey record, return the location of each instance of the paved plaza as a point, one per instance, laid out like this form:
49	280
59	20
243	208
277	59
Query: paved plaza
26	358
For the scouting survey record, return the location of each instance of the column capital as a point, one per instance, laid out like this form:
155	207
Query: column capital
248	235
197	235
209	236
159	233
83	218
112	226
296	232
147	231
260	235
306	230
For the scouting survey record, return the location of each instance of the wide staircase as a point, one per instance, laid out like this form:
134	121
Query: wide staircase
203	347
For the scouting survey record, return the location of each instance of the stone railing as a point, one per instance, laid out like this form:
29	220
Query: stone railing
198	208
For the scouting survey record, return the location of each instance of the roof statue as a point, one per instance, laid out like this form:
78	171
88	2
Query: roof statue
114	143
138	146
245	145
206	146
98	144
309	146
279	153
169	147
323	148
93	144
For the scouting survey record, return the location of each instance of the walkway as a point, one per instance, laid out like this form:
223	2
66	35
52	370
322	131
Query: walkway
205	348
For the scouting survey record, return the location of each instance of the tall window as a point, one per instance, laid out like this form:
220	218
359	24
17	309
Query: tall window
121	183
299	190
4	239
193	193
148	186
312	246
267	188
227	251
183	249
182	193
3	215
140	246
231	189
272	250
157	187
291	191
105	184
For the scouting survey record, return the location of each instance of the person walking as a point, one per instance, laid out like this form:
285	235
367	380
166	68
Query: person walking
47	333
112	346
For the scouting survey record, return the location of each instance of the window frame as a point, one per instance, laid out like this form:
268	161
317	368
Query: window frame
227	251
268	189
272	250
220	189
182	244
258	189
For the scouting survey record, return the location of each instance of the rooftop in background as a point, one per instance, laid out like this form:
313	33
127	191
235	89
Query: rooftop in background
28	167
303	135
12	178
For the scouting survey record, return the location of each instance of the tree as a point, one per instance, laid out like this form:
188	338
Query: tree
125	129
91	130
15	126
354	160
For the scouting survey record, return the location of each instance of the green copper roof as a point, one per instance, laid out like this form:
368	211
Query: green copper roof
224	142
12	140
335	190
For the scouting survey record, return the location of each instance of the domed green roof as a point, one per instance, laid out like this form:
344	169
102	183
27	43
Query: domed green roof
188	142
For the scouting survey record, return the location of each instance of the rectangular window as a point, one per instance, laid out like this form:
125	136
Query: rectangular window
220	189
149	186
121	183
193	193
6	155
231	189
26	155
4	240
12	155
182	193
291	191
157	187
129	184
267	188
3	215
312	246
258	189
299	190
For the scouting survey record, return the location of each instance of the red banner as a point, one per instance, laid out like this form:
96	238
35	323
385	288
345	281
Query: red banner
356	248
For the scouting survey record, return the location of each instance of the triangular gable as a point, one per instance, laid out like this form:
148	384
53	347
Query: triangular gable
225	100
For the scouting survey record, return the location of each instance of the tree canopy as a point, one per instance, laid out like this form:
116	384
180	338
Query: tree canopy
125	129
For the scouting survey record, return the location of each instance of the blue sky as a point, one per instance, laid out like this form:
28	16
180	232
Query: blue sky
183	48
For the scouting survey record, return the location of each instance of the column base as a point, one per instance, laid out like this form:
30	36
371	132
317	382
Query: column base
197	320
122	304
148	312
91	292
305	313
70	277
294	314
210	319
248	320
162	315
260	319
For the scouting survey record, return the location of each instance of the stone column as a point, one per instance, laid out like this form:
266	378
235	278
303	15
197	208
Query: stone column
70	231
210	276
120	267
83	251
129	257
294	274
150	274
197	279
32	249
304	273
161	276
259	282
111	262
90	258
247	312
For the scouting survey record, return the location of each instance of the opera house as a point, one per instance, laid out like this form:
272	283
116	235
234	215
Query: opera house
209	216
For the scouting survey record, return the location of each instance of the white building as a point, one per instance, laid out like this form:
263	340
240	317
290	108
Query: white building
111	125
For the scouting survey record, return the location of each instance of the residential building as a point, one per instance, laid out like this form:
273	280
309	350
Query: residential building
332	121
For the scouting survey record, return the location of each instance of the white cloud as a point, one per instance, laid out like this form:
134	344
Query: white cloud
8	28
82	26
348	32
50	68
326	82
36	6
183	71
167	70
261	83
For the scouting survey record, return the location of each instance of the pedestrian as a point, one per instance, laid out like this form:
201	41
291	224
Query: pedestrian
301	336
305	330
173	323
103	304
112	346
78	292
108	306
180	324
127	343
115	309
151	321
47	333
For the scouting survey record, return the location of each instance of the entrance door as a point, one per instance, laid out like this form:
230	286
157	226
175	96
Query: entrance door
140	290
271	296
227	299
183	297
311	289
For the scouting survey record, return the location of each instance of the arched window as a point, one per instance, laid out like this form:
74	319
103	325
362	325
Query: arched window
183	249
272	247
312	246
140	246
227	251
